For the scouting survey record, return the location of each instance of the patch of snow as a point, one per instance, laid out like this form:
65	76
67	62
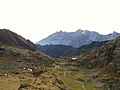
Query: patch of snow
74	58
83	31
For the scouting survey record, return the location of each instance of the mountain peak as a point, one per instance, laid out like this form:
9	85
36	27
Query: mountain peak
10	38
76	39
114	32
82	31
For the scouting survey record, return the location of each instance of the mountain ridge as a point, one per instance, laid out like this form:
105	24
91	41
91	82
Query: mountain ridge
58	51
10	38
76	39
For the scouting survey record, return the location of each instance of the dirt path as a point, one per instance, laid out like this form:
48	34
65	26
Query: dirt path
66	74
77	78
82	84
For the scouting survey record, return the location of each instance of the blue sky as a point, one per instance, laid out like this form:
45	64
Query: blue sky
36	19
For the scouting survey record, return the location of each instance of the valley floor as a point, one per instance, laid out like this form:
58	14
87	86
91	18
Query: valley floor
63	75
76	78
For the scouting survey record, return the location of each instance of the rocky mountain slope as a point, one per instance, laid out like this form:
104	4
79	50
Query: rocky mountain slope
105	63
23	67
76	39
12	39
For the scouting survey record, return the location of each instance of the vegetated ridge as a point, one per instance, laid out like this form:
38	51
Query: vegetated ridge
68	51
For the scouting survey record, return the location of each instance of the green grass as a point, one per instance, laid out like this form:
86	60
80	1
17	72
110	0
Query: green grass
71	84
74	77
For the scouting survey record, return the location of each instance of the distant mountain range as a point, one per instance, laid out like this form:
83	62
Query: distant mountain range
76	39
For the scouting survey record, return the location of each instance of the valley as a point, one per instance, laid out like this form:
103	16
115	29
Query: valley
23	66
63	75
77	78
59	44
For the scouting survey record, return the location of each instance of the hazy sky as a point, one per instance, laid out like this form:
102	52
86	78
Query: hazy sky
36	19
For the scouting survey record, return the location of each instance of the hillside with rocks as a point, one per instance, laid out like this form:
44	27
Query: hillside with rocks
23	67
105	63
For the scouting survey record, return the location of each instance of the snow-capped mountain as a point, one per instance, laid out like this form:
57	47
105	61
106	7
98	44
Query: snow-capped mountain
76	39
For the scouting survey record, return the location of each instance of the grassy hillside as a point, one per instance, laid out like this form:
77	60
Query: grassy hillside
23	67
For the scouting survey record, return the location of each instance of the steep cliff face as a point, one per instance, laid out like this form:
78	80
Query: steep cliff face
76	39
12	39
